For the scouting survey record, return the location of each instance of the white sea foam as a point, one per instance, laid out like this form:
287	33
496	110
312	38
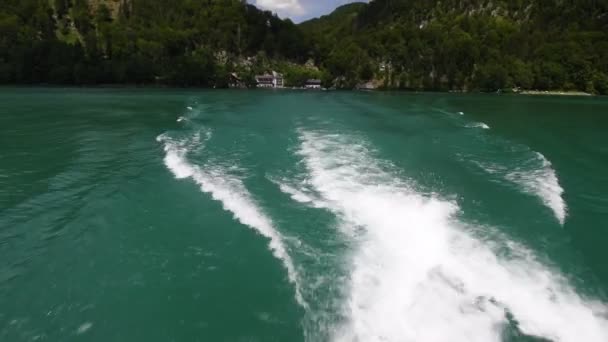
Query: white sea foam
418	275
189	108
442	111
541	180
534	175
233	195
181	118
300	194
83	328
478	125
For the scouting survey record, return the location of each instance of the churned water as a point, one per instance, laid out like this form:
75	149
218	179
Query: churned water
167	215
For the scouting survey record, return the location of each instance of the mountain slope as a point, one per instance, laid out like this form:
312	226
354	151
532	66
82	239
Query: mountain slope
340	17
405	44
179	42
470	44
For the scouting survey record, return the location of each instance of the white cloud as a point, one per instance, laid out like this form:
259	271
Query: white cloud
287	8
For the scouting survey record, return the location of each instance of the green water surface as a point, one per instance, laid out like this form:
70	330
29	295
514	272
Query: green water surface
103	239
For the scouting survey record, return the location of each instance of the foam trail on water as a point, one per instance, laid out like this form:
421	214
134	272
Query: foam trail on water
542	181
300	194
442	111
479	125
417	274
233	195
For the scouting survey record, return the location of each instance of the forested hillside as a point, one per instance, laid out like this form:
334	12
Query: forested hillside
177	42
468	44
461	45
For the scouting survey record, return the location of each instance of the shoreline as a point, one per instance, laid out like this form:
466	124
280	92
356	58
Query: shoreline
168	87
554	93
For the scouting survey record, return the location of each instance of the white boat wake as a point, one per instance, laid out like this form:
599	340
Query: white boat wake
233	195
418	274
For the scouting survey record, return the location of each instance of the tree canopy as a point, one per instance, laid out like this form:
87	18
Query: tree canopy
469	44
403	44
178	42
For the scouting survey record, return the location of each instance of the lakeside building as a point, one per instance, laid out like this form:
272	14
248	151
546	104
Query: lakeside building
313	84
274	80
235	81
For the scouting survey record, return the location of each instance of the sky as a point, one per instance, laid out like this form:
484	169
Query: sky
300	10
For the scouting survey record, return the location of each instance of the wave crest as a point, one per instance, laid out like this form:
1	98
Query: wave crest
417	274
233	195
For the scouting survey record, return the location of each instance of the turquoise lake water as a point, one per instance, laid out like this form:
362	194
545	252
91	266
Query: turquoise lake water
185	215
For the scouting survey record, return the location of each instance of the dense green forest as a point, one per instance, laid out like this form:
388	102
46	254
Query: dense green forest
468	45
461	45
176	42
